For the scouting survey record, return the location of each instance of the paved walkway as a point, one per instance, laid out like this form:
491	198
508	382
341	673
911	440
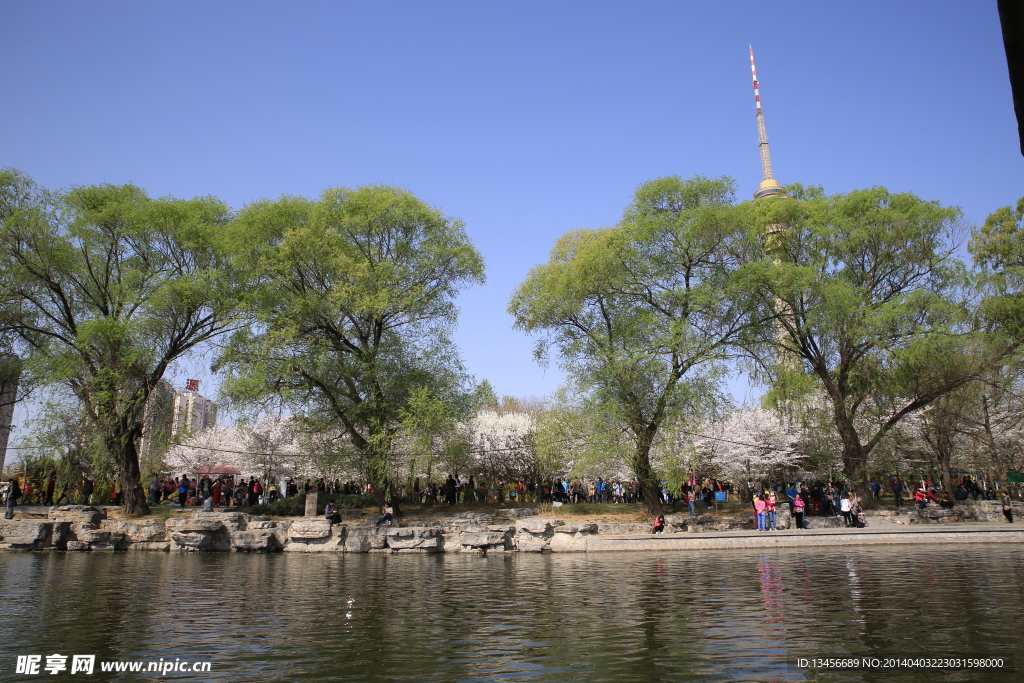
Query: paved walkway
889	534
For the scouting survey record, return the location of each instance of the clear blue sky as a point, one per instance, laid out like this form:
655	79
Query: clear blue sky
524	119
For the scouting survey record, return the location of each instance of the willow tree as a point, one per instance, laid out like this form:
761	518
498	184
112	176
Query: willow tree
872	309
997	247
641	315
111	288
351	302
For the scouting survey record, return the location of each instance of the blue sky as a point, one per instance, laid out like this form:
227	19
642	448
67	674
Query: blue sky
525	119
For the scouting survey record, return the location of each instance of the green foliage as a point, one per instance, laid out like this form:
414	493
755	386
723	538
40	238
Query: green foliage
642	313
866	297
351	299
433	434
112	287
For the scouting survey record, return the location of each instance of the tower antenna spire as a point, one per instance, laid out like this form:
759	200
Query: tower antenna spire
769	186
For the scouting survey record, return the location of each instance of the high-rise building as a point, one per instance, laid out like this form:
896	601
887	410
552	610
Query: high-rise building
170	413
10	374
192	412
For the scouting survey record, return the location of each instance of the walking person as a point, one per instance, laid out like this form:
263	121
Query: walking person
1007	506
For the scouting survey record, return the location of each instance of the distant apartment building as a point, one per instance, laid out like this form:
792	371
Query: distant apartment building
192	412
170	413
10	374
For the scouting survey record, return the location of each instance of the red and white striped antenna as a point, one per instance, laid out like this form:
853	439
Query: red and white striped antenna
753	73
768	185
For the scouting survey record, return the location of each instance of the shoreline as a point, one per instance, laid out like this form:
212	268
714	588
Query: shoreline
87	528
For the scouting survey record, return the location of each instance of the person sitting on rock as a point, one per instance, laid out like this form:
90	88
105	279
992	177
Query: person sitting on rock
332	515
387	514
659	524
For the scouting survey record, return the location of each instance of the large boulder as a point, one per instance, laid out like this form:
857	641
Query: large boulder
933	514
517	513
568	543
261	524
678	522
363	539
110	538
25	534
255	541
486	539
537	525
465	521
528	543
137	531
198	534
233	521
311	535
413	538
76	514
308	529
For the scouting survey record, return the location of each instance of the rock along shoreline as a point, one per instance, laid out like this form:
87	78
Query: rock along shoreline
516	530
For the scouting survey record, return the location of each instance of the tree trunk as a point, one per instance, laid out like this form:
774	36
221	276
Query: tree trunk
645	478
855	465
126	458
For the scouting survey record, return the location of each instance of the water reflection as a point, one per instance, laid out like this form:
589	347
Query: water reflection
605	617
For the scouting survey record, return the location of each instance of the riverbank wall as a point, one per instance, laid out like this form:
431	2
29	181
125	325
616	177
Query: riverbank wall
87	528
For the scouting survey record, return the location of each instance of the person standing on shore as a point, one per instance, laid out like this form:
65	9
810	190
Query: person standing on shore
769	510
759	512
897	491
183	491
798	512
87	487
13	493
845	507
50	486
1008	506
857	511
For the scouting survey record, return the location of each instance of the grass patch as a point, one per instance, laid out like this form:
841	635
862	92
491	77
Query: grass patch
164	513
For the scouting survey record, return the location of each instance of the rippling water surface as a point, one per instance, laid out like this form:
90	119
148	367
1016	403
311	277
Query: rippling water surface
711	616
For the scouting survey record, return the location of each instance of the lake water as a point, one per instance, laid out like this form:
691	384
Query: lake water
709	616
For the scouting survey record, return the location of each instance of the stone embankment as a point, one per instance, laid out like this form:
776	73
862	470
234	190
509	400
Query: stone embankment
78	528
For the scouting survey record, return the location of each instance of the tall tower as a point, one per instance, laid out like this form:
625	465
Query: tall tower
786	359
769	186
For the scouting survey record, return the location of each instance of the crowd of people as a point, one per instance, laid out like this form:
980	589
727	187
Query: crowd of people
805	500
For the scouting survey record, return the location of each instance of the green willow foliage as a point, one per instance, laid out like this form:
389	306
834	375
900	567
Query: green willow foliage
104	288
642	314
351	298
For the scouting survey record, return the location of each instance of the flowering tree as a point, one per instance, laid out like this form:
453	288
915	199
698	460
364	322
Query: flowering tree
213	446
504	444
748	443
266	448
